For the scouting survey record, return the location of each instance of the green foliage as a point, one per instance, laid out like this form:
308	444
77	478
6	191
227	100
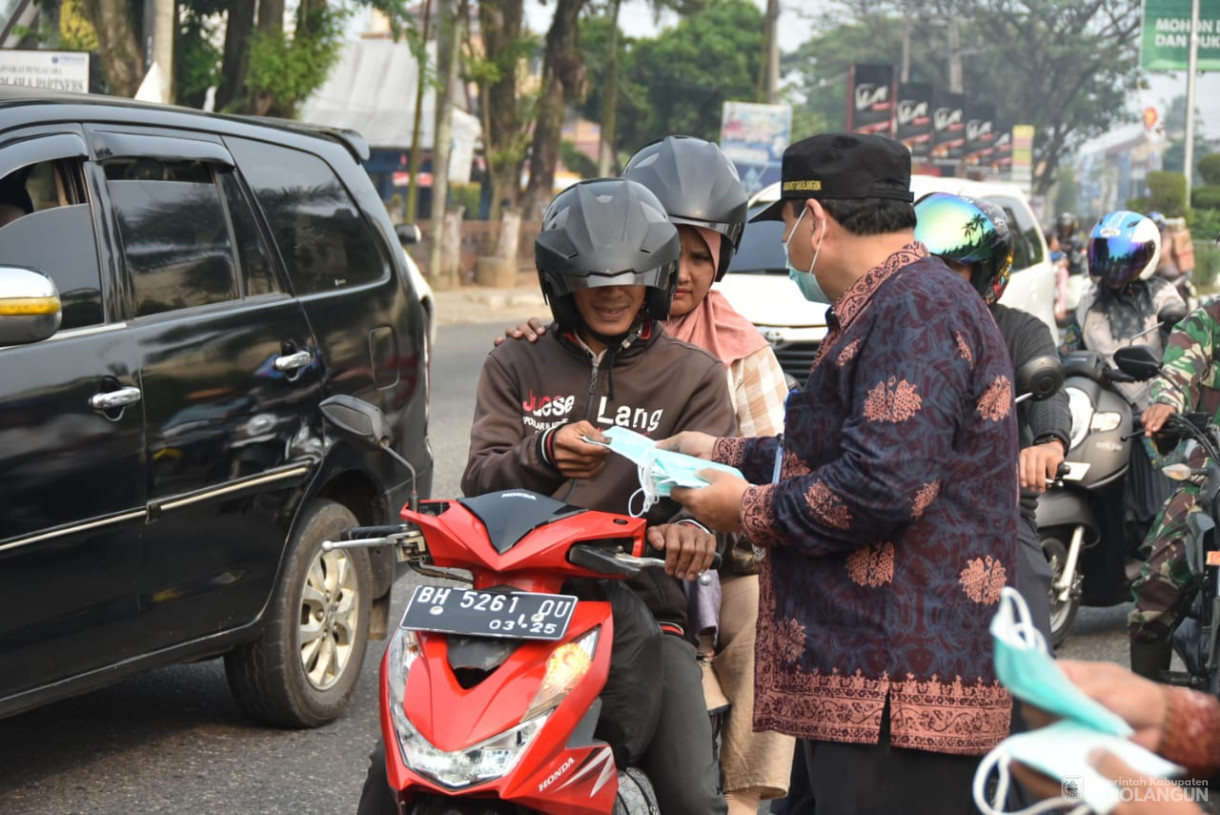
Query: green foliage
1208	168
576	161
679	81
197	60
286	69
1167	193
1205	198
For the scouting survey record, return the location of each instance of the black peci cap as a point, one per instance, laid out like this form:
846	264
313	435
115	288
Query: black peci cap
843	165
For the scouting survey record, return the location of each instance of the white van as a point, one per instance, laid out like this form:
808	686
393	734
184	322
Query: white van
757	283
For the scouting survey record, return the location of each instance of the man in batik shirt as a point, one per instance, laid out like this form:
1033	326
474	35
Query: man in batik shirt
888	509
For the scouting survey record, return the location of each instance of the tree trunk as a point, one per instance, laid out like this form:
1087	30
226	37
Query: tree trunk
238	28
122	64
607	159
448	37
563	79
270	15
503	129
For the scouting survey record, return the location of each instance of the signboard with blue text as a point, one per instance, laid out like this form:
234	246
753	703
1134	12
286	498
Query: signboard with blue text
754	137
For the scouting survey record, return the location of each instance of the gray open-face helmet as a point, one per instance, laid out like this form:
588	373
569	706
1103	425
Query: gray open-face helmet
606	232
697	184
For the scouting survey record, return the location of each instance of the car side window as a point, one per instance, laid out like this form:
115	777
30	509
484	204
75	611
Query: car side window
324	240
252	254
176	244
46	225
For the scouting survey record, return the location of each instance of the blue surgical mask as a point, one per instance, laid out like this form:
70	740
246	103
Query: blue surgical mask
659	470
806	281
1061	750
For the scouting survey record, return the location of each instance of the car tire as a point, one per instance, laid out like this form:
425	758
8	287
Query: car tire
303	669
1063	613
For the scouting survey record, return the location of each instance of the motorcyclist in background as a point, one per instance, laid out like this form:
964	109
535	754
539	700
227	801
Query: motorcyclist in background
1068	257
1189	381
1177	263
974	239
1122	309
1071	242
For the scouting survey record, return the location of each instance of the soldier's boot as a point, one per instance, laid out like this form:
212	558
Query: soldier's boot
1149	659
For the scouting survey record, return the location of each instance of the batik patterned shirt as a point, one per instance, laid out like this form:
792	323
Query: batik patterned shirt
892	526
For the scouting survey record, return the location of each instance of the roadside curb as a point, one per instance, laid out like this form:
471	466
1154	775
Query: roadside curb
473	304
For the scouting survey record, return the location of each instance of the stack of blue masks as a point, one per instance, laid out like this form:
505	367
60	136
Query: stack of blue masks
1061	750
659	470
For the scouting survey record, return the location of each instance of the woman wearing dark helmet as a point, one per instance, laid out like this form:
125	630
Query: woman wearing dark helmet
973	237
700	190
607	260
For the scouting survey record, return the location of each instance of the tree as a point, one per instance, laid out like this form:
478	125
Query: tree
1064	66
506	108
563	82
118	49
679	81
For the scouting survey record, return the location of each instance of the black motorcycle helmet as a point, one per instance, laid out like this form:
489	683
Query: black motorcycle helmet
971	232
697	184
606	232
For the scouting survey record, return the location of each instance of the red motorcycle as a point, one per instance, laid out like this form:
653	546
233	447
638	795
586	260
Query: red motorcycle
490	694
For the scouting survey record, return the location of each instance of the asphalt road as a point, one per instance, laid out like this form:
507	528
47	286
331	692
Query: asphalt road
172	741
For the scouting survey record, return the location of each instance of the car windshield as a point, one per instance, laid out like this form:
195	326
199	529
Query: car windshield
761	250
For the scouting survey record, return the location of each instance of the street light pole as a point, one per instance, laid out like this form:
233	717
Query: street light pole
1192	65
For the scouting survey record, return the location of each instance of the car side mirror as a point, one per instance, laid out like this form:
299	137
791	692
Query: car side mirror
1040	377
30	309
1139	362
1170	315
408	234
356	418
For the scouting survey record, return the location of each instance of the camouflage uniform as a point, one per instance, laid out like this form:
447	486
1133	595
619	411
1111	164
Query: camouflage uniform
1189	381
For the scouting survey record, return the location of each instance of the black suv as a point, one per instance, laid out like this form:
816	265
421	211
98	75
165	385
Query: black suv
178	292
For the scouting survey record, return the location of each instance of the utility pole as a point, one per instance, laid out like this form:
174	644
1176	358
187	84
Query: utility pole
421	69
1192	68
773	52
955	55
907	25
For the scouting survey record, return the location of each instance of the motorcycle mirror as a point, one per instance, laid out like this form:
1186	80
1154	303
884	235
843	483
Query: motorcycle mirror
408	234
1170	315
1138	361
355	417
1040	377
1178	472
358	419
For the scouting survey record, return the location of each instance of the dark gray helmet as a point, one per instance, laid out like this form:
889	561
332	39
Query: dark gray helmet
697	184
606	232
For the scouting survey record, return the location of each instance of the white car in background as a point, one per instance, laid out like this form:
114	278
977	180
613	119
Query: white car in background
409	234
758	286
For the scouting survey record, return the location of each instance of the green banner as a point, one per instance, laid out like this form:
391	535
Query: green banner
1165	40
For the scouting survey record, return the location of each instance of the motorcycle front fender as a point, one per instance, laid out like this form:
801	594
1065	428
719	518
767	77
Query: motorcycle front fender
1063	508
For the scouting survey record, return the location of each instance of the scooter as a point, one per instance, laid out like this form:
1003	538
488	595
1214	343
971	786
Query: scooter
1085	529
490	694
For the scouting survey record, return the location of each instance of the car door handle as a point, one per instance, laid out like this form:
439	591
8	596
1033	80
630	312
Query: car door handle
114	399
291	362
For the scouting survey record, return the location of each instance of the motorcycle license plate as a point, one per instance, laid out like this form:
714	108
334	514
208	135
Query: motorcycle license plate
518	615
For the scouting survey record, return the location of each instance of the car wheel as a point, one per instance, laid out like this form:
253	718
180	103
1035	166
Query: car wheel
1063	612
303	669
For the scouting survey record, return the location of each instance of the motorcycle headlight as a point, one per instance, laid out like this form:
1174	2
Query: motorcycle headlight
498	755
1081	408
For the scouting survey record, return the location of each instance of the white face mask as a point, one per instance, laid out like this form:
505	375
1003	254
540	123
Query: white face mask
658	470
806	281
1062	749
